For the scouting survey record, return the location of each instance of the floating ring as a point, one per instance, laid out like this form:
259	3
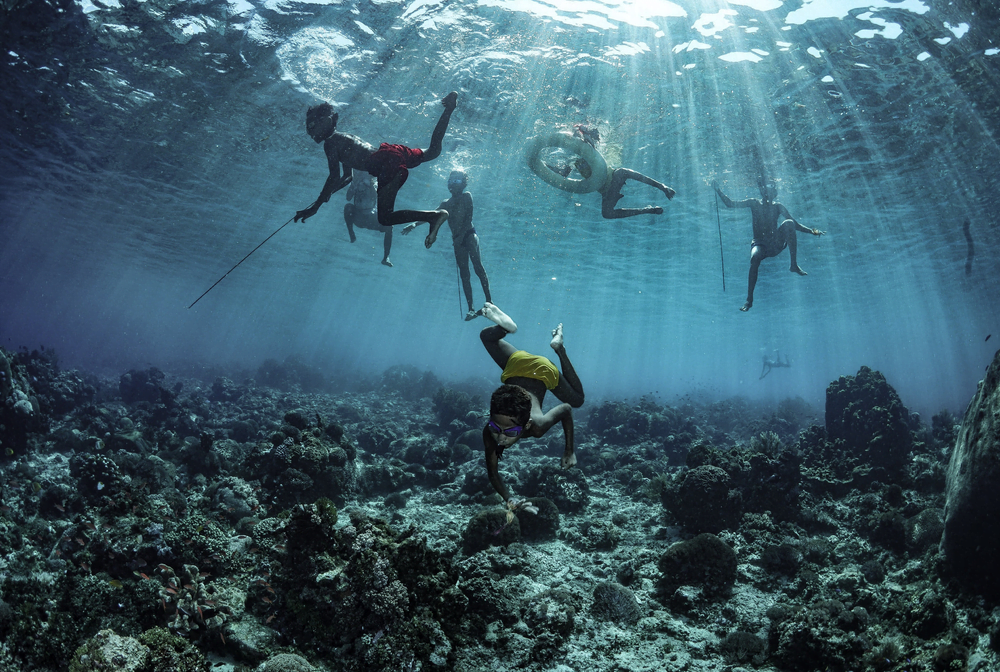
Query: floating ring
599	167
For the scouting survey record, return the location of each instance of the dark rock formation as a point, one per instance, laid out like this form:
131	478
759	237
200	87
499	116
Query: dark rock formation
971	540
865	413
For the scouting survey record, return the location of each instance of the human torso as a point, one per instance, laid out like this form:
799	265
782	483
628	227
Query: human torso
459	216
765	219
350	150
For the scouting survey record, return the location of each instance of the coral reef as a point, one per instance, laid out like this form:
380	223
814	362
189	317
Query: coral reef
157	522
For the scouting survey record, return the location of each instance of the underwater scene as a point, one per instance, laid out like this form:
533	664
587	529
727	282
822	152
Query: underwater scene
544	335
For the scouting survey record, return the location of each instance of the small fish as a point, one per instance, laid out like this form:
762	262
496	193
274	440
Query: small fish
100	485
36	486
189	586
987	337
200	528
201	615
204	575
91	526
115	583
5	508
223	638
80	541
144	576
268	600
171	591
9	451
271	590
164	603
60	508
84	566
270	618
210	603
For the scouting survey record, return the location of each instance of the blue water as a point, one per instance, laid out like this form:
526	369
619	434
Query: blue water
148	146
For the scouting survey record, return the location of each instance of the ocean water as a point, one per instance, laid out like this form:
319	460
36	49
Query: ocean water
147	146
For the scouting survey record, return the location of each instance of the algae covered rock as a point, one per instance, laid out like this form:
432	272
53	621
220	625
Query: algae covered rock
971	541
866	413
704	561
704	500
285	662
614	602
490	528
109	651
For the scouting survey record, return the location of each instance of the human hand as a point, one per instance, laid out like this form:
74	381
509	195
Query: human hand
409	227
306	214
521	505
450	101
817	232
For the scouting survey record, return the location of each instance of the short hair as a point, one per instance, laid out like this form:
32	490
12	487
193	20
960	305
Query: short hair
461	173
513	401
317	112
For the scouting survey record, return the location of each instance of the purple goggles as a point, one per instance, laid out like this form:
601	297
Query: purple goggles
512	432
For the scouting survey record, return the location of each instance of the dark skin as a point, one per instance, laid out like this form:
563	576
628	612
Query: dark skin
538	422
765	213
346	152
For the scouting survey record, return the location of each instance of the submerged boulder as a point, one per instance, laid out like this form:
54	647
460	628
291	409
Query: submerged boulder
866	413
971	540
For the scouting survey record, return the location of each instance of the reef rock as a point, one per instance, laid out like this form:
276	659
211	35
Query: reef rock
866	413
971	540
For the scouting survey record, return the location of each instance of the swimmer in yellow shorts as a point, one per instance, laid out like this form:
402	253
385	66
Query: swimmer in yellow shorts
516	406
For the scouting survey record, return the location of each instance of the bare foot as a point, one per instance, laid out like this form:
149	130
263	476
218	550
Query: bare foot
656	210
386	262
557	339
472	314
450	101
796	269
747	306
568	460
494	314
442	217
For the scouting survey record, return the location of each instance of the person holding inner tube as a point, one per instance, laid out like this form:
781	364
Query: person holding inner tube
516	406
593	168
463	237
390	164
361	212
769	239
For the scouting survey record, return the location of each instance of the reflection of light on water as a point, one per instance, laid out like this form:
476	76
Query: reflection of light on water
923	56
890	30
838	9
710	24
582	13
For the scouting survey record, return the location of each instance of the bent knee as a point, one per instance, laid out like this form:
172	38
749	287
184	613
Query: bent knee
576	401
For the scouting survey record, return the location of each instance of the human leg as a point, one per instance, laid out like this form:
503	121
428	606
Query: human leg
787	230
569	390
499	349
349	220
472	245
612	193
756	256
386	246
639	177
434	151
388	187
462	260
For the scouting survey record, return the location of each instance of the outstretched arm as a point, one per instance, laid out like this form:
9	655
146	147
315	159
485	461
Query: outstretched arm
333	184
563	413
783	211
492	465
728	202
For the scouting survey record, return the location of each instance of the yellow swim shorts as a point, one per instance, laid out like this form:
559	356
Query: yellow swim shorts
525	365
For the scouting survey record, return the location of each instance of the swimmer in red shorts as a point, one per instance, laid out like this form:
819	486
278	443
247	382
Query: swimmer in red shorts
389	163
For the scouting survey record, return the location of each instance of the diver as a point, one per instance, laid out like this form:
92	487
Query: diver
769	239
389	163
775	363
463	237
611	190
516	406
361	213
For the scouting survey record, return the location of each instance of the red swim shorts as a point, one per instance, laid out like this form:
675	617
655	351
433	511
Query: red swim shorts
391	161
